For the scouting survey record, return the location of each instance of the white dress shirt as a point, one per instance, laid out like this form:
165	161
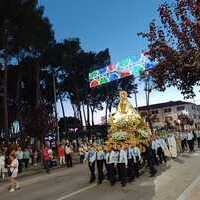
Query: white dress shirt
123	157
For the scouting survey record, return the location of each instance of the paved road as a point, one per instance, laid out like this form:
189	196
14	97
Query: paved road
179	179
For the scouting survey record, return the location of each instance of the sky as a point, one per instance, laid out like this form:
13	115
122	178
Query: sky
112	24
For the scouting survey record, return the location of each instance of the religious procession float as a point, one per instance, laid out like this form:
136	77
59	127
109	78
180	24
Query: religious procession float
126	124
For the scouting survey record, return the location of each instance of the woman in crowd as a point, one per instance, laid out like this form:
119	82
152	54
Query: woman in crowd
2	164
13	172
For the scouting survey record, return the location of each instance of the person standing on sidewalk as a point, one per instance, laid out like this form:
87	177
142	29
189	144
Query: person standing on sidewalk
13	172
68	153
61	155
2	164
26	157
190	140
81	153
46	158
19	155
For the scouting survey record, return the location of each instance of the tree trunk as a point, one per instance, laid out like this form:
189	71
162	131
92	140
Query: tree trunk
147	92
110	108
37	82
84	114
63	111
5	103
92	114
88	116
80	114
74	110
136	104
106	114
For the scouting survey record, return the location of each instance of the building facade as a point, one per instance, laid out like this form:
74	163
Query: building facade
170	113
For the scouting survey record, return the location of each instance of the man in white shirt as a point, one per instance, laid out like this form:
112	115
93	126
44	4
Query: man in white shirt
91	157
131	159
111	165
160	149
183	136
137	159
190	140
198	136
122	164
154	149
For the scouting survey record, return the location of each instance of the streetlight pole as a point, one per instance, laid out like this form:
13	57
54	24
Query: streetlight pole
55	107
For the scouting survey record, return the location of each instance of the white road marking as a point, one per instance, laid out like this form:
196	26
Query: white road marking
187	191
77	192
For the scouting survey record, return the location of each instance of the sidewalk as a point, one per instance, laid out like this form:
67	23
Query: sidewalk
39	169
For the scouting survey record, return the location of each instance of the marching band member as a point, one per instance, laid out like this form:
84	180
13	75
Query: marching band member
100	162
131	158
183	136
154	150
122	164
137	159
111	164
190	140
91	158
160	145
149	156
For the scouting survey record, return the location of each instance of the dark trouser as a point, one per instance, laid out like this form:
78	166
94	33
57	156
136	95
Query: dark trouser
111	173
184	144
122	173
26	161
92	171
131	170
20	165
191	145
69	160
46	165
198	141
161	155
100	170
152	169
106	167
81	158
136	167
155	159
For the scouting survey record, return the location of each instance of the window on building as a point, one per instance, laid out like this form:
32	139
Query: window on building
167	110
193	107
155	112
194	116
180	108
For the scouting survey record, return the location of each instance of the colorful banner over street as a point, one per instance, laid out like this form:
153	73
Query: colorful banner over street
124	68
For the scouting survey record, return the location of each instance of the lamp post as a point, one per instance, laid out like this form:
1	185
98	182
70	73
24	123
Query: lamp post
55	107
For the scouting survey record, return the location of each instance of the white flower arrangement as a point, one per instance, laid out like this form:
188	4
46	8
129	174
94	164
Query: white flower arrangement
120	136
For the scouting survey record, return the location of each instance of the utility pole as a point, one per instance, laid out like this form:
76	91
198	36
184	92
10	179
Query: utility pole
55	107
